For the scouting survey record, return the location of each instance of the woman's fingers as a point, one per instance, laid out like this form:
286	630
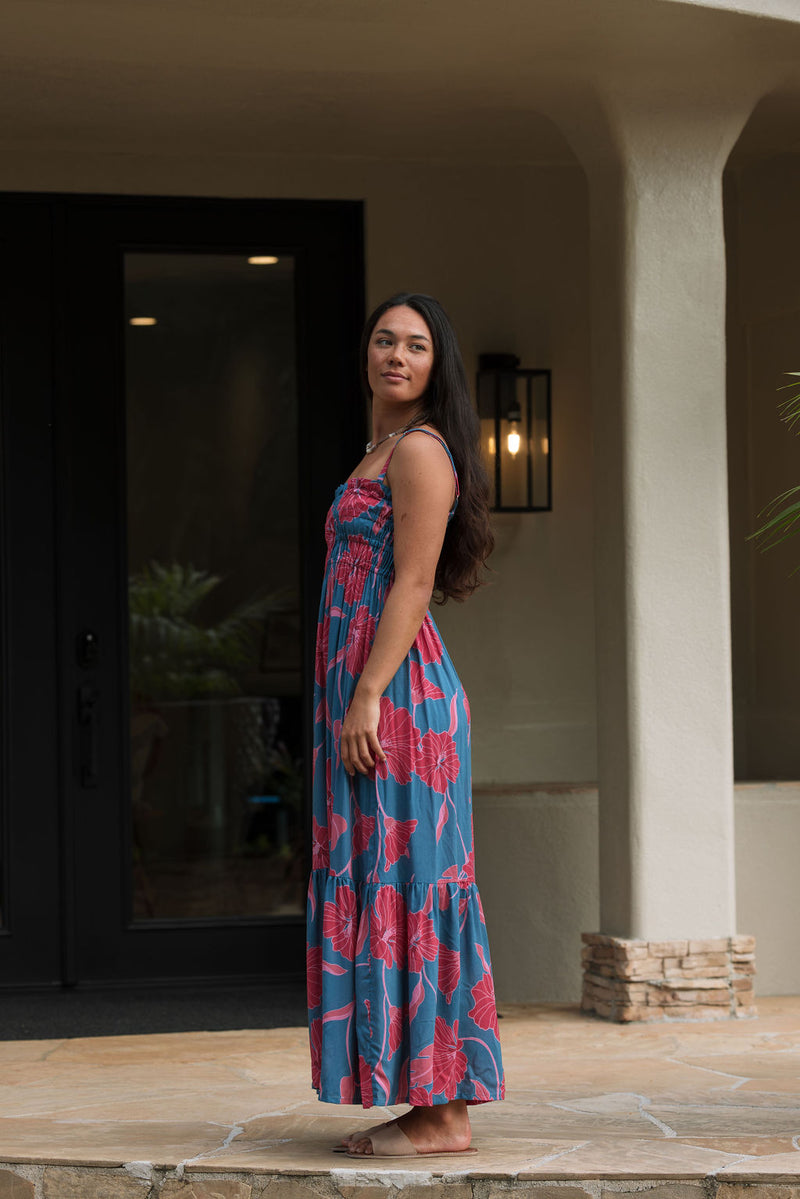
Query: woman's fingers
360	752
375	746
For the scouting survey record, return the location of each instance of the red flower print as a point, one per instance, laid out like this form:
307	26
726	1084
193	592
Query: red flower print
365	1080
483	1012
314	974
449	971
399	740
321	665
396	837
347	1089
315	1039
381	518
354	501
320	858
422	688
422	1071
449	1063
351	578
339	922
427	642
363	828
423	944
360	637
388	934
482	1093
338	826
398	1017
464	875
467	709
437	761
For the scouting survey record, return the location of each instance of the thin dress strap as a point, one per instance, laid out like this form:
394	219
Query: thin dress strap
442	442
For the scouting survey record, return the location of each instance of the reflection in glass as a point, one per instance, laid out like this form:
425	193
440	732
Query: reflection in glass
213	559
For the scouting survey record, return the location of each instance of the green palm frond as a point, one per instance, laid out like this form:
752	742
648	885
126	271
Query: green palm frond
781	517
172	654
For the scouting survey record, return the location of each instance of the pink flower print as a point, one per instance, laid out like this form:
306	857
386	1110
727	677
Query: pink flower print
423	944
399	739
338	826
348	574
449	971
347	1088
482	1093
314	974
315	1040
360	637
421	1077
321	662
427	643
363	828
422	688
397	834
483	1012
465	875
449	1063
398	1018
365	1081
388	933
354	501
437	761
320	857
381	518
339	922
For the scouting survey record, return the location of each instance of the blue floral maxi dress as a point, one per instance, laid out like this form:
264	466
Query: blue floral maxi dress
400	992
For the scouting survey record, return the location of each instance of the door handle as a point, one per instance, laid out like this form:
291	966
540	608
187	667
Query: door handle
88	734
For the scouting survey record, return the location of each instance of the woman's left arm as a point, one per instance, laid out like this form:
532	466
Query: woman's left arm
421	479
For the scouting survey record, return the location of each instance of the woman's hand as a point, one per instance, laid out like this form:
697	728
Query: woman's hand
359	746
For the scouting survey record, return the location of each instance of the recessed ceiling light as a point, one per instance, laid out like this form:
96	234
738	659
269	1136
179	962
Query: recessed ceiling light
262	260
142	320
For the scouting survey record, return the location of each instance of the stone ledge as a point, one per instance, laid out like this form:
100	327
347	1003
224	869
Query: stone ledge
626	980
385	1182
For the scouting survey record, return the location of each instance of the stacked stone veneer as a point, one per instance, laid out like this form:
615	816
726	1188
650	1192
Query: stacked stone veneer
668	980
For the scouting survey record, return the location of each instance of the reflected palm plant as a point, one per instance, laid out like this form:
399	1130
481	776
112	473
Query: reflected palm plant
173	655
781	517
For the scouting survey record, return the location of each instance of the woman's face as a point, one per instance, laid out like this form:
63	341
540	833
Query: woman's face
400	357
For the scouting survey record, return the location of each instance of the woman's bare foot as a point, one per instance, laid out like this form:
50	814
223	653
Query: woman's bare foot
439	1129
351	1137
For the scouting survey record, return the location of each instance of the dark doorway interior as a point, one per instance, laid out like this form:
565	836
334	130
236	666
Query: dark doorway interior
179	401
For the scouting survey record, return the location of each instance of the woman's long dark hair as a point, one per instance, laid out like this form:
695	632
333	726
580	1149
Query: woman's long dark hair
447	406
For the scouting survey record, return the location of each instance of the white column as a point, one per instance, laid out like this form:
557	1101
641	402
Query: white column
654	164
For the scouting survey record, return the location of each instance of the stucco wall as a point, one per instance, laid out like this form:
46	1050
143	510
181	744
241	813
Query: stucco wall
762	201
536	856
506	250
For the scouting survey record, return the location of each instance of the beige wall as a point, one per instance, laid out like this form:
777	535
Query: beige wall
506	250
762	202
536	862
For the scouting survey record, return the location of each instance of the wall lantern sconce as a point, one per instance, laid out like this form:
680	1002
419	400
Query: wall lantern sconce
514	411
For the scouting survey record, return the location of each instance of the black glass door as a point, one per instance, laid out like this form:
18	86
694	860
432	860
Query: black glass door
205	407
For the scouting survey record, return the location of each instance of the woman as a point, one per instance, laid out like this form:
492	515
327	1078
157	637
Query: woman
400	993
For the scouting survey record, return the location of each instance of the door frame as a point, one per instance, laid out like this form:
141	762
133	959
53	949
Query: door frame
89	236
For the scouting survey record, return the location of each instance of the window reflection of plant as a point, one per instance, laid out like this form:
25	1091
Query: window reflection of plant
174	656
782	516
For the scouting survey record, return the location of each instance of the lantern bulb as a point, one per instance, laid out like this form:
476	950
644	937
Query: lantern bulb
513	442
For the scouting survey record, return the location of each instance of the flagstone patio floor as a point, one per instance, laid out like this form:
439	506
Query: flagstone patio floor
690	1111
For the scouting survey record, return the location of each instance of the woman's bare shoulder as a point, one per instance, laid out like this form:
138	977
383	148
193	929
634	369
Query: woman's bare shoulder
418	445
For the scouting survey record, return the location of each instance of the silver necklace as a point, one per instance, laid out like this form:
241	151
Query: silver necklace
373	445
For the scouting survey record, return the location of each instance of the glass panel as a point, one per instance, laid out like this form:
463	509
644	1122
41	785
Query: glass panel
487	384
514	442
540	442
214	567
